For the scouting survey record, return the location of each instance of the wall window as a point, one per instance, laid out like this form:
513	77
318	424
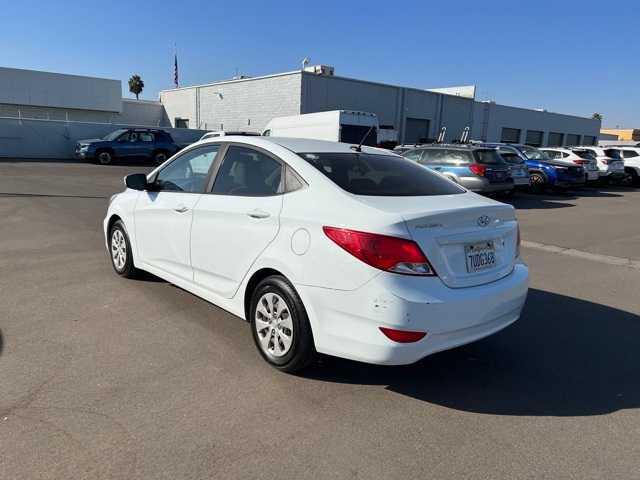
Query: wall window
510	135
534	138
573	139
555	139
181	122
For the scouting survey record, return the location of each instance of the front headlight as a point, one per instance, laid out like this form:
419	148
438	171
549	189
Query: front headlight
84	148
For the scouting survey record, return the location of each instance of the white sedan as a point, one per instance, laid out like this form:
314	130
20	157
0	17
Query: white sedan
324	247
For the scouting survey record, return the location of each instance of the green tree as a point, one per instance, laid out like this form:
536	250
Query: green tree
136	85
597	116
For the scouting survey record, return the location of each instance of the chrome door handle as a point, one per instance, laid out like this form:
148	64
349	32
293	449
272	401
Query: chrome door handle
257	213
181	209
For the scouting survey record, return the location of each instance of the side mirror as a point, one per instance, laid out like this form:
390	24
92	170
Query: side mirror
136	181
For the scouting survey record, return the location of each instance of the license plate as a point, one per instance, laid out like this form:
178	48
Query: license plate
593	175
480	256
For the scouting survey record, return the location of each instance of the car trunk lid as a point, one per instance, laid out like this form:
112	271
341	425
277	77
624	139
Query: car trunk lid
451	228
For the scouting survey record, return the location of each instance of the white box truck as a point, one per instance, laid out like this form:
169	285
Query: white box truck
347	126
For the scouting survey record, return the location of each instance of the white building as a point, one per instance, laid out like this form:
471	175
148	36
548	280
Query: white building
249	103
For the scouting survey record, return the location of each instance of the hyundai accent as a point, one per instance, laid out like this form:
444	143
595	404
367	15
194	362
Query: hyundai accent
324	247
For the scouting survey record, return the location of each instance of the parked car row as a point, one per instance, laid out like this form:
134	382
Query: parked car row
503	168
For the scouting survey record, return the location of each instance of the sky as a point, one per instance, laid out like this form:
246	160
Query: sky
576	57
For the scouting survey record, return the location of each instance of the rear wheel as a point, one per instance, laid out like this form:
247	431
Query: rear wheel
104	157
160	157
280	325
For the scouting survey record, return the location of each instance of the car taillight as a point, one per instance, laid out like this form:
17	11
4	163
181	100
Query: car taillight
518	241
391	254
581	162
402	336
478	169
605	161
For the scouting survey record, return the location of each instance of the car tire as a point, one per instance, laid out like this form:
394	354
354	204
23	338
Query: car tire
120	251
537	182
160	157
104	157
280	326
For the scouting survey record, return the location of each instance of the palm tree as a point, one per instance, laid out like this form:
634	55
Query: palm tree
136	85
597	116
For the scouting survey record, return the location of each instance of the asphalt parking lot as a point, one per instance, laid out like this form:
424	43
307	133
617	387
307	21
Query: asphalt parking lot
109	378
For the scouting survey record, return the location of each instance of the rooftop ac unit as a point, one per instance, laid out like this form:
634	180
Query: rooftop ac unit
325	70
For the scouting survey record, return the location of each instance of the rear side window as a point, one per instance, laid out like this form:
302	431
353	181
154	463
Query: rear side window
488	157
380	175
248	172
629	153
443	156
413	155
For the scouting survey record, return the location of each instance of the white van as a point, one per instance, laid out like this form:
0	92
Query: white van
345	126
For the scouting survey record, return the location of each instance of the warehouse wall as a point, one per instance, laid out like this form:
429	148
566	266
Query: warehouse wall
44	89
323	93
246	104
491	118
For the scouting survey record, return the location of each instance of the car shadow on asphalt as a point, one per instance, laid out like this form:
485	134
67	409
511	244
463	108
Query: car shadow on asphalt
540	202
564	357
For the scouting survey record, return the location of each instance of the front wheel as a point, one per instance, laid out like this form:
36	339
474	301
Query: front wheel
537	182
280	325
120	250
104	157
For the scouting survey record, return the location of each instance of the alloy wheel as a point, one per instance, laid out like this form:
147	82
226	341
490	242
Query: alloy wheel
274	325
118	249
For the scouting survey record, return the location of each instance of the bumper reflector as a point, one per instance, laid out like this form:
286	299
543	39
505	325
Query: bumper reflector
402	336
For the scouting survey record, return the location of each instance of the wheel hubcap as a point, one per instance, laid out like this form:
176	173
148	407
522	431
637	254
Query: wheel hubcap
274	325
104	157
118	249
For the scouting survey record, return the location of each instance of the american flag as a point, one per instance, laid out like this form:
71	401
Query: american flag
175	70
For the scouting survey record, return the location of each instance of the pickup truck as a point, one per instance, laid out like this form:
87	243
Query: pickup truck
153	144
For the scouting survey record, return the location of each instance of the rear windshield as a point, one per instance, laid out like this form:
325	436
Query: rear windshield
380	175
613	153
534	154
488	157
588	154
511	157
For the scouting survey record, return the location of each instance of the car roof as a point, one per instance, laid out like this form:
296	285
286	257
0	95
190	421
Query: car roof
456	146
300	145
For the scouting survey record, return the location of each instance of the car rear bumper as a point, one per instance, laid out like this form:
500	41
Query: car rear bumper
483	185
347	323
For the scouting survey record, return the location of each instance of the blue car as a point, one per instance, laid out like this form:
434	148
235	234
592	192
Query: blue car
152	144
544	172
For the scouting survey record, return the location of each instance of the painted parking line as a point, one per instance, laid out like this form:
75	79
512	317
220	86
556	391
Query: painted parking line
572	252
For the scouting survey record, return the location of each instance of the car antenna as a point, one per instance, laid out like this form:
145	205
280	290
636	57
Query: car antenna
358	148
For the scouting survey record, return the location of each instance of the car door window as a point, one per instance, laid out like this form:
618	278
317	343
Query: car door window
248	172
134	137
629	154
146	137
124	137
187	173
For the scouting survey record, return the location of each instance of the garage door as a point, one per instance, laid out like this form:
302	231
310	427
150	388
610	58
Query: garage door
573	139
510	135
555	139
417	130
534	138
